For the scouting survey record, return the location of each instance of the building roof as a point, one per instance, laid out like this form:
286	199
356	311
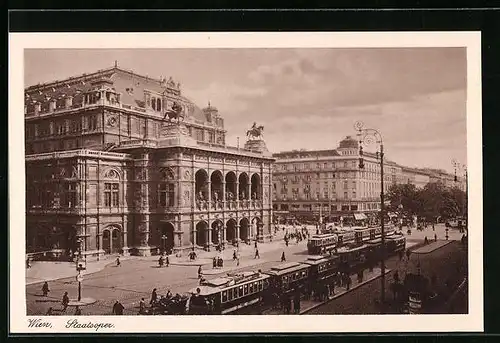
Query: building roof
348	143
306	153
130	85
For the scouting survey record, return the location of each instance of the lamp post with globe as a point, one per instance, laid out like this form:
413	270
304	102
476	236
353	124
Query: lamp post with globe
369	136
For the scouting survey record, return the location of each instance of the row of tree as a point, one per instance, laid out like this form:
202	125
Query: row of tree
433	201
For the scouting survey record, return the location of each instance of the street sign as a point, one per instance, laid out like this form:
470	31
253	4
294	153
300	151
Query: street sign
79	278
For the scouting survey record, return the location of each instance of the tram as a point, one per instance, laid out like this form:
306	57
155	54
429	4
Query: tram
324	243
235	293
252	292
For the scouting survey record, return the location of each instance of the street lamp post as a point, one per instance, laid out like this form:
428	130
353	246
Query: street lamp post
164	243
79	269
459	166
369	136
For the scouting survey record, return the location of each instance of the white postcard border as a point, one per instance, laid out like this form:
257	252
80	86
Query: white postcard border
252	324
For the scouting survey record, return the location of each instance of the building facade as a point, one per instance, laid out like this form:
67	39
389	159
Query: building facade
330	182
121	163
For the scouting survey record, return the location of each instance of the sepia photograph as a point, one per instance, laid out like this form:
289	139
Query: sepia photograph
284	181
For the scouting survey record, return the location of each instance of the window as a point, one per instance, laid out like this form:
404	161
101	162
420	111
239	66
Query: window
345	195
166	195
92	122
245	289
354	185
224	296
47	196
240	291
318	166
75	125
325	165
211	137
61	127
153	103
111	194
354	194
158	105
345	164
69	195
200	135
345	185
44	129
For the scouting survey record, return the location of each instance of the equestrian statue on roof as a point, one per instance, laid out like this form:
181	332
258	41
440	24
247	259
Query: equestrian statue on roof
174	113
255	131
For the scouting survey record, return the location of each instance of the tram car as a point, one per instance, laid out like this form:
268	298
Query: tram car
234	294
322	243
322	271
288	277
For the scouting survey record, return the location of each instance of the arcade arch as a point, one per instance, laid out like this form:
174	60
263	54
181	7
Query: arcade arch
243	186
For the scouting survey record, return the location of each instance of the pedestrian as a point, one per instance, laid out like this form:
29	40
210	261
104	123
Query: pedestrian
49	311
255	244
78	311
257	254
426	241
234	255
433	228
238	260
28	263
160	261
154	298
288	304
45	289
167	261
200	273
118	308
348	279
65	301
408	253
283	258
214	263
296	304
118	262
142	306
435	237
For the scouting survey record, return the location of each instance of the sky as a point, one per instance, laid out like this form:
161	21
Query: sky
306	98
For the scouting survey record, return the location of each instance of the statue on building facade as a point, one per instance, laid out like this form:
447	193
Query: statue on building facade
174	113
255	131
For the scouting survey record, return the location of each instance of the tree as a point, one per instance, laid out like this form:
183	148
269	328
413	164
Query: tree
406	195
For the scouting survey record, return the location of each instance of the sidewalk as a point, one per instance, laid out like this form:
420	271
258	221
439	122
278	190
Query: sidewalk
41	271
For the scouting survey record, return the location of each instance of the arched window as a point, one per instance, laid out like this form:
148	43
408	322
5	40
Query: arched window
153	103
158	105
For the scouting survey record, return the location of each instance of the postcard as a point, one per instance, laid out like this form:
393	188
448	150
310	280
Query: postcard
245	182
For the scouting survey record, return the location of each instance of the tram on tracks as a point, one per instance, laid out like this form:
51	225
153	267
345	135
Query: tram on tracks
253	292
325	242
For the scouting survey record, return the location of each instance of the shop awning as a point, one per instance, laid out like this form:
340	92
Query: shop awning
359	216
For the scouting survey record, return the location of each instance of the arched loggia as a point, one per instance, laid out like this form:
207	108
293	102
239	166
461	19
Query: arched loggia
255	187
243	186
